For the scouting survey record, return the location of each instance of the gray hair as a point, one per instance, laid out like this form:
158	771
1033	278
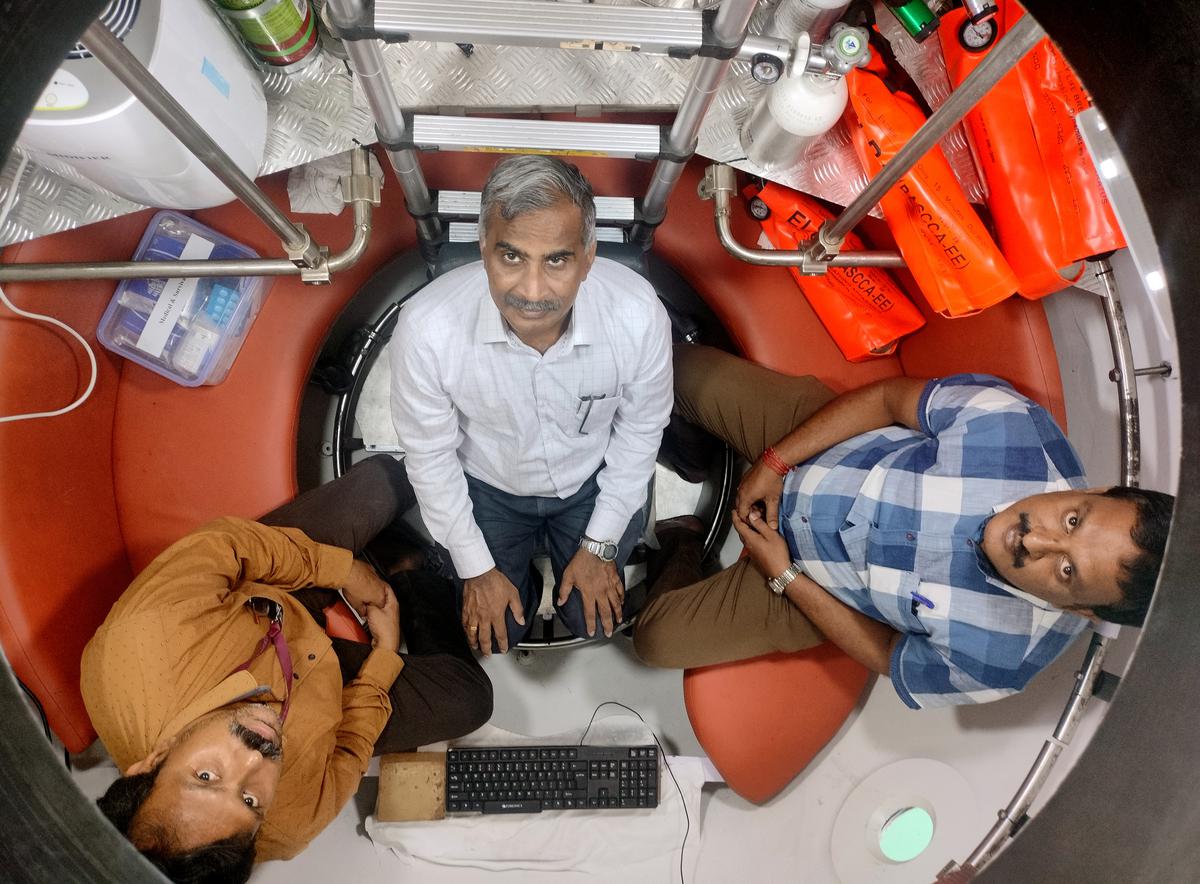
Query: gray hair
530	182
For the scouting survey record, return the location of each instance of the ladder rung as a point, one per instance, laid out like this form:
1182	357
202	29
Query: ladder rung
536	136
466	202
655	30
468	231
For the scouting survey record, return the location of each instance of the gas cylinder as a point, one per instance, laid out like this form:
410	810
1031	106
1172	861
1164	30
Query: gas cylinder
803	104
815	17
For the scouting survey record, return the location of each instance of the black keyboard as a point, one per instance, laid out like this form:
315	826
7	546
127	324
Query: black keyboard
530	779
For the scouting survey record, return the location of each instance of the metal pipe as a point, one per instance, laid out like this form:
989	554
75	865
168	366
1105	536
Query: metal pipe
998	62
125	67
362	201
1125	375
718	185
367	63
1013	815
729	29
765	44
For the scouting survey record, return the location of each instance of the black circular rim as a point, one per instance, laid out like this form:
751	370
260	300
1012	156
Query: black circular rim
1127	811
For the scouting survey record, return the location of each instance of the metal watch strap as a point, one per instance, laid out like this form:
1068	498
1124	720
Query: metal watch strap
605	550
780	583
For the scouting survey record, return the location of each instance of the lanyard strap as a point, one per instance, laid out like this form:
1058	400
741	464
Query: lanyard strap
275	637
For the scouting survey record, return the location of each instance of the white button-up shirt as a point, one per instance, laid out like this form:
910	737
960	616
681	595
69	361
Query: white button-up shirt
469	397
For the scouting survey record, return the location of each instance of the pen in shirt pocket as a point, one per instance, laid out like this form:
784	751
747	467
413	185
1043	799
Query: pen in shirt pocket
918	600
585	404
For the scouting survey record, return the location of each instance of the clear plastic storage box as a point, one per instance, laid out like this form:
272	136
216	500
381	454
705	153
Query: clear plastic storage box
188	330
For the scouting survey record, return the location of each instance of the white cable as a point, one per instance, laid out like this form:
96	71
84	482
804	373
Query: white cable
8	204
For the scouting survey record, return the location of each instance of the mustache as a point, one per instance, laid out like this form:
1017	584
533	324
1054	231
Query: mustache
550	305
1021	553
269	749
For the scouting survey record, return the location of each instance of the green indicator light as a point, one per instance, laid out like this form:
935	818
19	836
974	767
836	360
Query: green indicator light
906	835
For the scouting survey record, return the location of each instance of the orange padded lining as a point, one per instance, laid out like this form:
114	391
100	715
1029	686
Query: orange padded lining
762	721
62	559
183	456
90	498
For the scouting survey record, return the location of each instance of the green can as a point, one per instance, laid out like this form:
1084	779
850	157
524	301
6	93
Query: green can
283	33
915	17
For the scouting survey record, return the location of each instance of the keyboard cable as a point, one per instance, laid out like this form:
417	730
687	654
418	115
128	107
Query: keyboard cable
687	820
8	204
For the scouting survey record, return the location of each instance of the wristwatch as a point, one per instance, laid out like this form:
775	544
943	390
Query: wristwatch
780	583
604	550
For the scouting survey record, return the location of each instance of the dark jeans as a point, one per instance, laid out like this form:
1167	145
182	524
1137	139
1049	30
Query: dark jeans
516	528
441	693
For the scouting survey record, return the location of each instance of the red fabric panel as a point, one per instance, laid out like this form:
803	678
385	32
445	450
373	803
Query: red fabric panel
761	721
762	308
183	456
1010	340
62	559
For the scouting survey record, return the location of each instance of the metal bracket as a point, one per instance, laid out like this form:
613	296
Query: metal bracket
301	254
1162	370
317	274
361	187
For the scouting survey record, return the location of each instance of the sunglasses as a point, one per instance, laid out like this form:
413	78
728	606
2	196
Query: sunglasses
265	607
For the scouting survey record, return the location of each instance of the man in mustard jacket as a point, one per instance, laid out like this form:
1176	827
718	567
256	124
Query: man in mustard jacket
238	745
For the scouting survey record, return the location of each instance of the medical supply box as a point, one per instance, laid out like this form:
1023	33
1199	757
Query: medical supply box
186	329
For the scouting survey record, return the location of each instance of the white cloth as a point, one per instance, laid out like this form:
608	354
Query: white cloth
317	186
468	395
613	845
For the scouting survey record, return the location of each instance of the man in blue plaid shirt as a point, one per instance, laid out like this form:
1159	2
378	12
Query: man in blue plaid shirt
942	533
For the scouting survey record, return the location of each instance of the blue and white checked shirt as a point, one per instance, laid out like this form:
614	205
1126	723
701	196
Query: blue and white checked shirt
894	514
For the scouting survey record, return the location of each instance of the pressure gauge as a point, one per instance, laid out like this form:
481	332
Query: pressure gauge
759	209
977	37
766	68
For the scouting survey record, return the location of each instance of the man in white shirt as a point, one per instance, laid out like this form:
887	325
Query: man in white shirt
530	392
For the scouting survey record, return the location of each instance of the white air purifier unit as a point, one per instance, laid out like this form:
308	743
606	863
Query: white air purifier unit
87	119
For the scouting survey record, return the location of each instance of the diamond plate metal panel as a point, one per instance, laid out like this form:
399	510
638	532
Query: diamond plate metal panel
319	112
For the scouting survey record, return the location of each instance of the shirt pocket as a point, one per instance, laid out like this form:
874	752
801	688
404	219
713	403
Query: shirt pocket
897	594
854	541
595	415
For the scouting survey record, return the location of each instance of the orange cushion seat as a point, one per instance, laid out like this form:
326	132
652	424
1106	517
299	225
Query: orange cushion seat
762	720
90	498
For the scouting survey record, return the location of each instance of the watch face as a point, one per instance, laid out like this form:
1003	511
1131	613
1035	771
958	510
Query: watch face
608	552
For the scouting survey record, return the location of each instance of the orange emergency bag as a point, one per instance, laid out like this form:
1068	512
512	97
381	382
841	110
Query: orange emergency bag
945	245
862	308
1046	202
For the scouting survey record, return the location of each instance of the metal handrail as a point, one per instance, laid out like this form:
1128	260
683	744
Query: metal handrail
125	66
367	63
1001	59
360	189
719	184
729	29
306	259
1013	816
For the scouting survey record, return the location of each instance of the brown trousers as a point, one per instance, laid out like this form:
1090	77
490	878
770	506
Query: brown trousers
732	615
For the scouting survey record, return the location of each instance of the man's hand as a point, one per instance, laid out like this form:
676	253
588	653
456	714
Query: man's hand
768	550
485	599
363	588
383	621
599	587
760	483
